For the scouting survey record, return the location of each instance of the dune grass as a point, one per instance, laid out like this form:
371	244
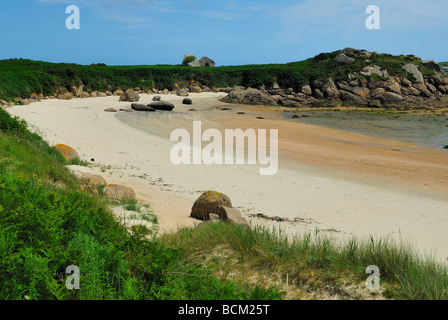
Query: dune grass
312	263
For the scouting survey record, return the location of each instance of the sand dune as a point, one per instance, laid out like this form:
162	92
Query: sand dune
342	184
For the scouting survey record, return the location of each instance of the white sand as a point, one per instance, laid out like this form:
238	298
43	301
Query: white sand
335	206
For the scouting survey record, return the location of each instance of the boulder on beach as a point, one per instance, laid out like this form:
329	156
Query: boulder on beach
119	192
209	202
157	98
182	92
187	101
76	91
162	105
130	96
142	107
65	96
195	89
90	178
118	92
231	215
67	152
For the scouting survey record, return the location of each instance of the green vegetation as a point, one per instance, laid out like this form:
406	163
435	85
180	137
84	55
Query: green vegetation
312	261
47	223
21	78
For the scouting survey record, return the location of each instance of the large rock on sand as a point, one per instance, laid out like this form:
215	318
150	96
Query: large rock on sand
182	92
187	101
119	192
231	215
65	96
142	107
67	152
90	178
130	96
209	202
162	105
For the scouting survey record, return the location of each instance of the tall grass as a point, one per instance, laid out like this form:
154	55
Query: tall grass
404	275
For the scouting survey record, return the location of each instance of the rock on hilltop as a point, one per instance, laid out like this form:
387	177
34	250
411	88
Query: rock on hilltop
190	60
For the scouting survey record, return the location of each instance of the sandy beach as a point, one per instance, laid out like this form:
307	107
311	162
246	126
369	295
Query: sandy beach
341	183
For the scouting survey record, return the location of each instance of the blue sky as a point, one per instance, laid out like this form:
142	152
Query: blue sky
130	32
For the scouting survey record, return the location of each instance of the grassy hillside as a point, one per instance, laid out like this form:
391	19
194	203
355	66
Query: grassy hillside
21	78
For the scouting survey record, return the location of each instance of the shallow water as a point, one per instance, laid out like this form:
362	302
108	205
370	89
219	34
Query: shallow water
426	130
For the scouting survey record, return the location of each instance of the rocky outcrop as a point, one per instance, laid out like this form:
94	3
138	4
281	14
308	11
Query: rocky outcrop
412	69
249	96
371	85
344	59
431	64
368	71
